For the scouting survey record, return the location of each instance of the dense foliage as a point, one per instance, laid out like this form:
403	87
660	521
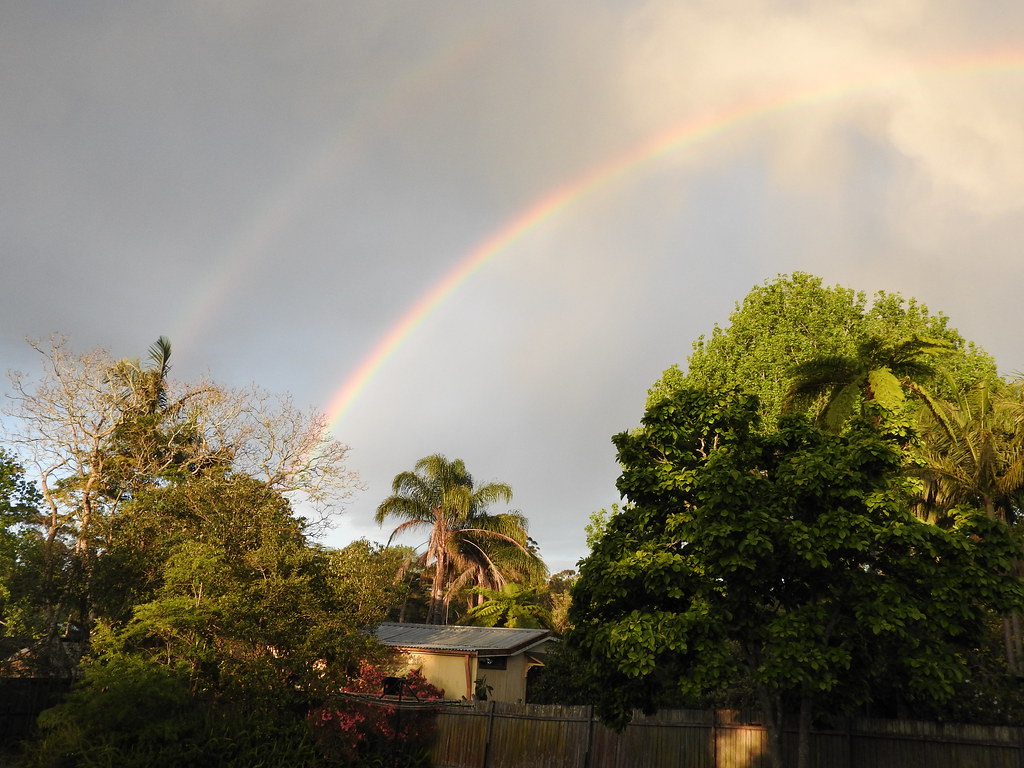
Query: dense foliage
821	518
788	558
510	606
19	556
795	319
163	561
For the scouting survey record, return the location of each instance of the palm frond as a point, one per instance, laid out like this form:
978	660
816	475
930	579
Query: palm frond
885	389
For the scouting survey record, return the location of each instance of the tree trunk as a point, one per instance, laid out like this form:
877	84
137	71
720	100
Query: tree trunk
82	564
55	595
771	706
435	613
1012	643
803	753
1011	661
1015	624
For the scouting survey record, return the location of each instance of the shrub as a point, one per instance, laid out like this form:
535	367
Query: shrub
362	726
130	712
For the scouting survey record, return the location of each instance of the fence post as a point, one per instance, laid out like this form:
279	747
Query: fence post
849	742
590	736
490	731
714	738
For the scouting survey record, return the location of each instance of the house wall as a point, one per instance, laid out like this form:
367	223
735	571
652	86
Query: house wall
507	684
449	671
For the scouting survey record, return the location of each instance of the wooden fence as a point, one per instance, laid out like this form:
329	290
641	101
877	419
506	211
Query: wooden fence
21	701
500	735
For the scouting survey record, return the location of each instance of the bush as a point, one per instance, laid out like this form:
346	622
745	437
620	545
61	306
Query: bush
363	727
130	712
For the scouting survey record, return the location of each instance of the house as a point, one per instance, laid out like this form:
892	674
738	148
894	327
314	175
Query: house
454	657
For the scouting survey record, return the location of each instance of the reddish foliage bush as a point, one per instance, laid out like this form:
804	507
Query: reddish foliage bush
364	726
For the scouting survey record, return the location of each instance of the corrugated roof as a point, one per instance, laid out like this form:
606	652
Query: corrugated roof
493	640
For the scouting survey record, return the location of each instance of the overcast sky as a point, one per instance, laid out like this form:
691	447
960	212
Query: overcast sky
276	186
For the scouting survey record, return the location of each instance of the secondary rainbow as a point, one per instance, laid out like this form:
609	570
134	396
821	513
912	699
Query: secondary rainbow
679	136
251	241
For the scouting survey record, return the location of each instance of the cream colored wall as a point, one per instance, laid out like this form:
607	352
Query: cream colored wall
508	684
449	672
444	671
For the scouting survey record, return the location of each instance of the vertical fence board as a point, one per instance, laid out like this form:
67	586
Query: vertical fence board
533	736
934	745
461	738
740	740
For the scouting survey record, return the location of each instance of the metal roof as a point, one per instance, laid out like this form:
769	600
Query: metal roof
437	637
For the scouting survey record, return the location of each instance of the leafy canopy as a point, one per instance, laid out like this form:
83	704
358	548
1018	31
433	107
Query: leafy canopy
794	319
786	557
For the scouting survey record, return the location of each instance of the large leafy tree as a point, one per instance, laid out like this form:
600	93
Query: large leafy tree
466	545
98	432
786	557
167	528
239	595
374	577
22	591
236	627
793	319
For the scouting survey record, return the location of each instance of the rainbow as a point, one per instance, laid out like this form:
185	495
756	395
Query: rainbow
679	136
251	241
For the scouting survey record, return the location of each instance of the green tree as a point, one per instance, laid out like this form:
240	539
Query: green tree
99	432
382	581
167	524
972	453
786	557
558	598
793	319
972	450
22	591
597	524
252	595
467	546
230	628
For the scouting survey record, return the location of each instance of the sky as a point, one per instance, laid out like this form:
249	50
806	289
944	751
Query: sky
484	228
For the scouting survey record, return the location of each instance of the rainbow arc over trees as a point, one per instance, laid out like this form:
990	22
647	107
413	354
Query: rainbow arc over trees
677	137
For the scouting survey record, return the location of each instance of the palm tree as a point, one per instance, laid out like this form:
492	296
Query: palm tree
466	544
510	606
491	563
876	374
143	390
156	435
138	447
972	452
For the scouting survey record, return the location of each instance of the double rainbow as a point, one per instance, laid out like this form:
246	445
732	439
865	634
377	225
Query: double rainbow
679	136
